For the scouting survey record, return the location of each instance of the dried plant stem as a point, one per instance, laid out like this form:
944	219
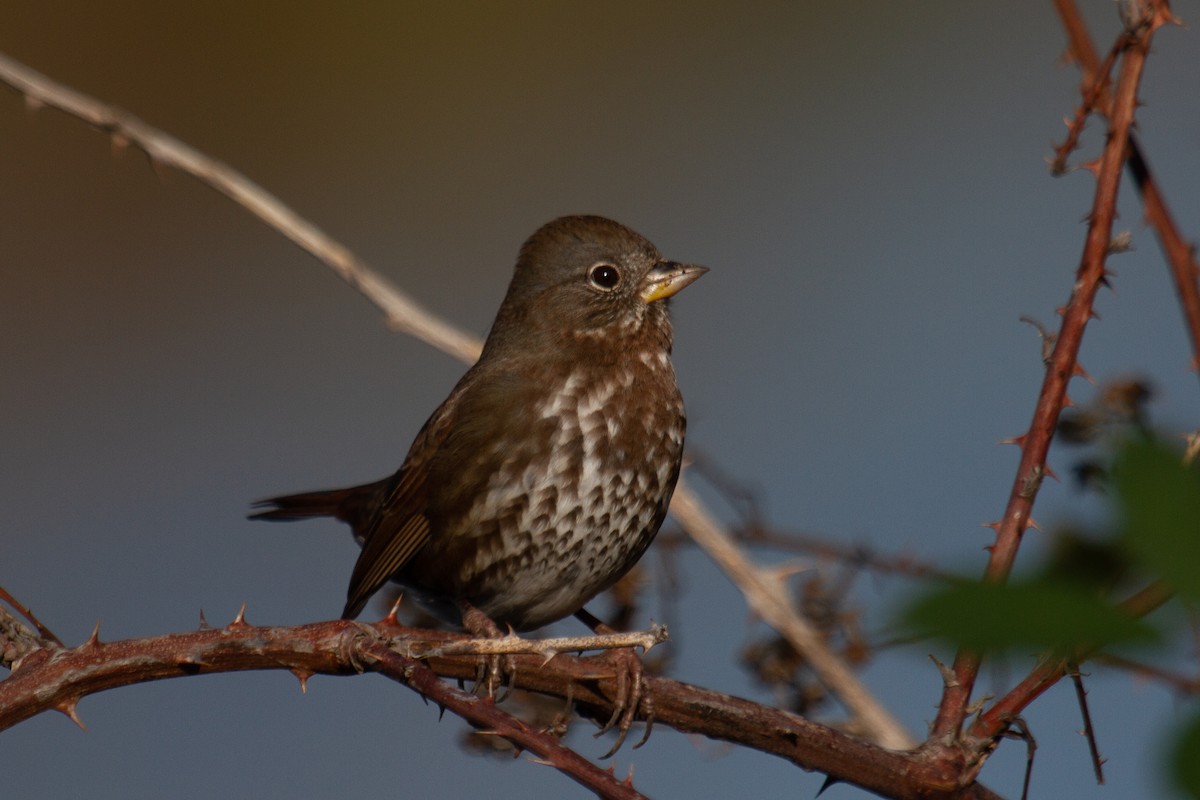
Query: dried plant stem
402	312
514	645
770	601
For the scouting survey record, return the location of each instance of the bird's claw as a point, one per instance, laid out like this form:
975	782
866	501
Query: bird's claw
628	699
494	670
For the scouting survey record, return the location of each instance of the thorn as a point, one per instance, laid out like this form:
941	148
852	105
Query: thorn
33	104
204	626
1093	314
629	778
829	781
1019	441
949	679
1032	523
1050	473
441	711
303	675
1080	372
68	707
93	641
240	620
391	619
1067	401
977	706
1092	166
993	525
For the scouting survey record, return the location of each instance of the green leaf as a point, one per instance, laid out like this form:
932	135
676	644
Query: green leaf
1039	615
1160	509
1185	765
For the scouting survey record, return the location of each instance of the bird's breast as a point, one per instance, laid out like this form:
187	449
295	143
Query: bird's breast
571	503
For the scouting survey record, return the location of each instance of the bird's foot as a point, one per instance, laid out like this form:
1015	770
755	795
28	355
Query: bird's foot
629	699
630	696
494	670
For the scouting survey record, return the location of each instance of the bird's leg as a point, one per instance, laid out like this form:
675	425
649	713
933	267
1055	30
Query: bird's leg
629	669
493	668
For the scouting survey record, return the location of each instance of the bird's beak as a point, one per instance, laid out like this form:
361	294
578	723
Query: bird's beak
668	278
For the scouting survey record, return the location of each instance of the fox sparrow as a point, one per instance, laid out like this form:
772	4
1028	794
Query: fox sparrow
546	473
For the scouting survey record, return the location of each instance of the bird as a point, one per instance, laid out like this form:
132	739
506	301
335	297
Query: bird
546	473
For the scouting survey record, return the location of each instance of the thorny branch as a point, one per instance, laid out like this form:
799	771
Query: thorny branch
1181	255
1134	44
58	679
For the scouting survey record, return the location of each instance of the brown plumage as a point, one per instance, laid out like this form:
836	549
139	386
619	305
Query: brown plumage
548	470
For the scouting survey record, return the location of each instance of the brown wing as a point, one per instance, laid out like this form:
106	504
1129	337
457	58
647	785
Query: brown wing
399	528
394	537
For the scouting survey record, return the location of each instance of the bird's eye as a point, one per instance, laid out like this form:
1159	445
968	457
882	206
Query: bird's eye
604	276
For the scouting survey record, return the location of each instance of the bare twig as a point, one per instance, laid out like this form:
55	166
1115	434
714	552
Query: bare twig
1185	684
401	312
993	721
24	611
487	717
1089	730
769	601
1185	271
17	641
823	547
512	644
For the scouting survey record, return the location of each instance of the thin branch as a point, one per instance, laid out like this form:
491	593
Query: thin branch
1095	96
1035	444
1181	255
1050	671
769	601
1089	730
402	313
812	544
547	648
487	717
23	610
1184	684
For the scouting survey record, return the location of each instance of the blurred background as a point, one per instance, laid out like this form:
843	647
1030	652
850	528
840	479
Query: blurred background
865	179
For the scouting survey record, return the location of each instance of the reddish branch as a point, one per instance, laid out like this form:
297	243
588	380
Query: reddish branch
995	720
1091	274
1180	255
56	679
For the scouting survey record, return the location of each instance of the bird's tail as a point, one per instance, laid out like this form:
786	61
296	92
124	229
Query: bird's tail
349	505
